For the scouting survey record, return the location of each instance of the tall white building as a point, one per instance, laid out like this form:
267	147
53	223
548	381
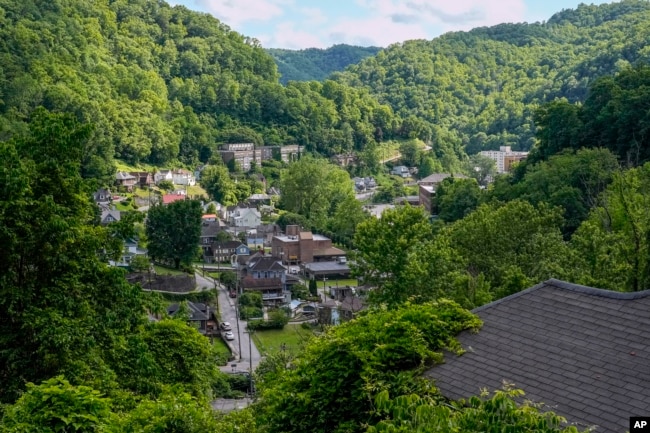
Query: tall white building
504	157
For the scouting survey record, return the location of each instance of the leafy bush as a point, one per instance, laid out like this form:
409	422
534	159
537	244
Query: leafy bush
250	299
246	313
277	320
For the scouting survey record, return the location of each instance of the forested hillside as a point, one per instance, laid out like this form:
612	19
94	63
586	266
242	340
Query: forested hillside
315	63
479	89
161	83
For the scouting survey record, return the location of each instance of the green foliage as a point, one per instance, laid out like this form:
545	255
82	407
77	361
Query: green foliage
313	288
171	412
173	231
456	198
170	352
290	218
572	181
513	245
251	299
166	185
228	279
613	116
277	320
140	263
315	63
216	180
300	291
333	381
507	70
67	308
314	189
497	413
612	244
249	312
383	247
55	406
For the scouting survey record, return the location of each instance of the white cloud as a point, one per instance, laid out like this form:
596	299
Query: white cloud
378	31
392	21
285	35
236	12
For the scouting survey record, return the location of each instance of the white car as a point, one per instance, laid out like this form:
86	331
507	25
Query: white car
229	336
225	326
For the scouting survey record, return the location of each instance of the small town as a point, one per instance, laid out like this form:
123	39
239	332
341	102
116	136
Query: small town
266	216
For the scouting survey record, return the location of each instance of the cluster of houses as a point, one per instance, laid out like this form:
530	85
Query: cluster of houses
129	180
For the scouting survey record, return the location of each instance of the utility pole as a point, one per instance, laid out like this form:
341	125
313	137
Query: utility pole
238	332
250	358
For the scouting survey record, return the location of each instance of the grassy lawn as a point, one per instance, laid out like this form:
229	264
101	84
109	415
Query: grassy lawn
341	283
161	270
221	348
196	190
293	336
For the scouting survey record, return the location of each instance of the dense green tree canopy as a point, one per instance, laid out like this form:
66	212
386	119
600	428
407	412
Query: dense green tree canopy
482	87
315	188
315	63
173	231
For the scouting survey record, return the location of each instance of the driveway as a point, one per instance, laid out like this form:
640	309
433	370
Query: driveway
241	344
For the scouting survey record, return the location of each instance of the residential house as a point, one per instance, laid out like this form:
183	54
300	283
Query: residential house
125	180
427	188
400	170
265	274
109	215
259	199
298	246
171	198
581	351
183	177
505	157
102	196
163	175
209	217
364	183
200	316
246	218
143	178
131	249
223	251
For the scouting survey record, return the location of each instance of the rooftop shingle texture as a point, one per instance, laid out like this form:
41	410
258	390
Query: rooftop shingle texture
584	352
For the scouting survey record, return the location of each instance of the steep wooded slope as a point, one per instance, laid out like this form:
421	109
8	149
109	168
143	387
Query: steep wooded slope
315	63
479	89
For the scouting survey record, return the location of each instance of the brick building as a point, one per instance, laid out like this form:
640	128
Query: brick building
298	246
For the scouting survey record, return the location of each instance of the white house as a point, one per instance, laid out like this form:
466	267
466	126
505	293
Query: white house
246	217
401	170
163	175
183	177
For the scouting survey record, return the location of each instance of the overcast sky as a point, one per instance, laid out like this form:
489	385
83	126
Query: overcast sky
300	24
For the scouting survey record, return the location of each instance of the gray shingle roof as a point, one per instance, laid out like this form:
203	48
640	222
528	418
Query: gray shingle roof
584	352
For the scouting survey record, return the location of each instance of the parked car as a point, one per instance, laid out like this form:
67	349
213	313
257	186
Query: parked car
233	294
229	336
225	326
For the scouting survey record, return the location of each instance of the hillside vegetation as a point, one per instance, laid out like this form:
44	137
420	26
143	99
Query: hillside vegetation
479	89
163	83
315	63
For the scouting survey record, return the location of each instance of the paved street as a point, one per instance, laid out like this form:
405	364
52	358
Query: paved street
228	314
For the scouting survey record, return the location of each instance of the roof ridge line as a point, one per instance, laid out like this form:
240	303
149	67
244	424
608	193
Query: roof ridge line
565	285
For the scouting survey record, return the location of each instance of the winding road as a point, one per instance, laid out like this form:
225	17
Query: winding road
243	347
